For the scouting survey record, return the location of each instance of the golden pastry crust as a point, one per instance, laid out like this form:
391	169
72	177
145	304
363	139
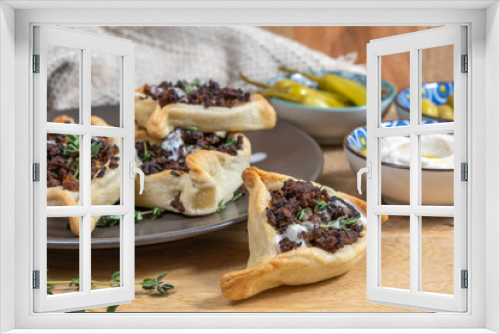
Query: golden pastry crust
213	177
267	267
257	114
105	190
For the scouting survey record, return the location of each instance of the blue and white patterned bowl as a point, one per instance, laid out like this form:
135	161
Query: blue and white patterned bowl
437	184
436	92
327	125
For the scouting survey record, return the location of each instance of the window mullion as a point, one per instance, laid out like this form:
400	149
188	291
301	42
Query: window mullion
415	95
85	164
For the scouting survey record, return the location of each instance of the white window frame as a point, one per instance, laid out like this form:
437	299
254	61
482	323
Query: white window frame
414	43
86	43
484	102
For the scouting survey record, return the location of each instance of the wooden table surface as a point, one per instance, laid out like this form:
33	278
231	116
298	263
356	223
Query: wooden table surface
196	265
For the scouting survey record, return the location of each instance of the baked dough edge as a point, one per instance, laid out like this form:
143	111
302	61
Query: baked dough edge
267	266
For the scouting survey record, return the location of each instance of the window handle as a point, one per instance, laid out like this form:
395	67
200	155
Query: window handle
368	171
134	170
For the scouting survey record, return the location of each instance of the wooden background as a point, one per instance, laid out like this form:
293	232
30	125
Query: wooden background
337	41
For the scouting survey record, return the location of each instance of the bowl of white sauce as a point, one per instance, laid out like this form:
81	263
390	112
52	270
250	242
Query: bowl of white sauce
437	163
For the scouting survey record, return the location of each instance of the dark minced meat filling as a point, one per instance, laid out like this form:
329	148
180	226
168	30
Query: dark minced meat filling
177	204
209	95
172	152
331	222
63	160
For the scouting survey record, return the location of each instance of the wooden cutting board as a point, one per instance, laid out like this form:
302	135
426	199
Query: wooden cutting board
196	265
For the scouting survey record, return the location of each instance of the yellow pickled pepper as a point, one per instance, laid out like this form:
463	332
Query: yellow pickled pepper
355	91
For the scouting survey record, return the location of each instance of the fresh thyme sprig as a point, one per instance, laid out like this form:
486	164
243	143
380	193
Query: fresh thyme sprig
149	284
148	155
320	205
72	145
155	212
190	87
342	223
301	214
94	148
221	207
237	197
108	221
230	141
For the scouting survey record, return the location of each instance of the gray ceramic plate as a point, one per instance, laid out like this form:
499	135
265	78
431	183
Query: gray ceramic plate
287	149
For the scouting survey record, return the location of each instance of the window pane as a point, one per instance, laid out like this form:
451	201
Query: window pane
395	252
395	170
396	66
106	91
105	265
63	84
105	170
63	266
437	169
437	254
63	170
437	84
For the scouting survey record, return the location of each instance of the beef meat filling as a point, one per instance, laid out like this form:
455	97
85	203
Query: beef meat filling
177	204
172	152
331	222
63	160
208	95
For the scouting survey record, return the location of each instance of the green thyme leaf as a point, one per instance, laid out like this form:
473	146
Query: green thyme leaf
115	277
108	221
72	145
161	276
112	308
148	155
301	214
188	88
346	224
149	283
95	147
341	224
451	224
174	173
74	282
49	290
320	205
163	288
155	212
221	207
230	141
192	128
138	215
237	197
79	311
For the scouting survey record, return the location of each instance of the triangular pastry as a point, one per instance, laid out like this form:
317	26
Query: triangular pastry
162	108
63	172
189	171
299	232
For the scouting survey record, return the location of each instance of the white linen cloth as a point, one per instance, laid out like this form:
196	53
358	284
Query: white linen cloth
173	53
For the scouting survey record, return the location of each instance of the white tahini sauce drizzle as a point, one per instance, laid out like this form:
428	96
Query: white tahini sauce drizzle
293	231
174	145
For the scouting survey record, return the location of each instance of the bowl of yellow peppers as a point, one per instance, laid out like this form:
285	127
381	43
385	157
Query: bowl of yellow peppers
437	102
325	104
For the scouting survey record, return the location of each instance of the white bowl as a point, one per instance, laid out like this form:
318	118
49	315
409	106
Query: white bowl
437	184
327	125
